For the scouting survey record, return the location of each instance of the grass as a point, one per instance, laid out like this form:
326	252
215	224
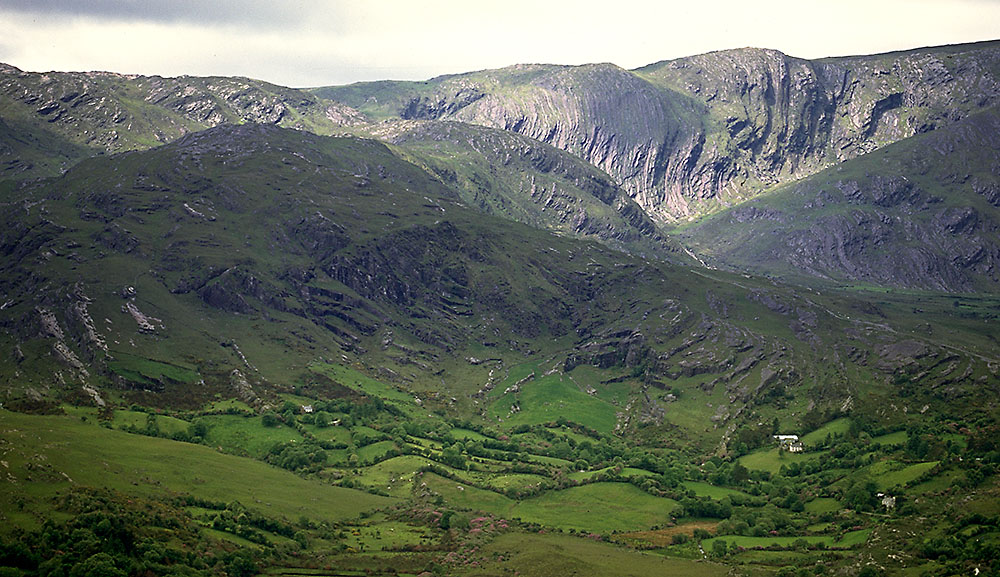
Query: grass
853	538
626	472
847	541
467	435
362	383
462	496
702	489
517	481
90	455
375	451
553	555
598	507
937	483
834	427
167	424
547	460
823	505
664	537
770	459
895	439
246	435
546	399
395	475
148	372
379	533
886	475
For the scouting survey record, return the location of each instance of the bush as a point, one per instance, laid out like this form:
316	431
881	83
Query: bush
720	548
269	419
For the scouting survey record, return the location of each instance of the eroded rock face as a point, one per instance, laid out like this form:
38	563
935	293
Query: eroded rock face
920	213
688	136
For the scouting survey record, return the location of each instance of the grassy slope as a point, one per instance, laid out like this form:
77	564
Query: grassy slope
48	455
559	555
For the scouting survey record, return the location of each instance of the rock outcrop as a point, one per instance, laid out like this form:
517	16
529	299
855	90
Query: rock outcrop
690	136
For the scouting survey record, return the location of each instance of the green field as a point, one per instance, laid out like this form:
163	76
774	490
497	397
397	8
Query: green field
895	439
823	505
598	508
546	399
702	489
888	474
393	476
166	424
555	555
78	453
246	435
849	540
467	435
463	496
368	386
770	459
834	427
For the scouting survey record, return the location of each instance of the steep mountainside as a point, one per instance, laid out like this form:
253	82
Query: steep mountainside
71	116
228	261
606	115
49	122
512	176
690	136
922	213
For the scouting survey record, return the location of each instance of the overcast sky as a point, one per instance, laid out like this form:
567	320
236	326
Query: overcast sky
316	43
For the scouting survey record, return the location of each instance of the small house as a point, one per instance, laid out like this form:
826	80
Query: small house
790	443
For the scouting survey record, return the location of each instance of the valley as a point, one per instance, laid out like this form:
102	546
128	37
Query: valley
731	314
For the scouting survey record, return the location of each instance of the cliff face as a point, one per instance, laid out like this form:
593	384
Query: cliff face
921	213
690	136
519	178
601	113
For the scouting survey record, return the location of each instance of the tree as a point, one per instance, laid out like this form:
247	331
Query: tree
740	474
861	496
719	548
97	565
152	425
198	429
269	419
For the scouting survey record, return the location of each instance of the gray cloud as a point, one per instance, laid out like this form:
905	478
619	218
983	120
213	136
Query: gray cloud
263	13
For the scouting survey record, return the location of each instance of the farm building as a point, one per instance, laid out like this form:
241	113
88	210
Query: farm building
790	443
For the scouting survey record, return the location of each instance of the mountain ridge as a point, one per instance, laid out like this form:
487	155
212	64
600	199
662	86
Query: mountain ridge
737	154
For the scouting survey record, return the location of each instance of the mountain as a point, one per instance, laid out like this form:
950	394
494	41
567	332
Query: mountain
51	121
256	249
71	116
690	136
522	179
921	213
736	309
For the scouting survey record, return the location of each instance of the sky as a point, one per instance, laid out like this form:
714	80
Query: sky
306	43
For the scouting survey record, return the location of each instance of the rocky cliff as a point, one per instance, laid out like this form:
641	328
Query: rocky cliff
690	136
922	213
